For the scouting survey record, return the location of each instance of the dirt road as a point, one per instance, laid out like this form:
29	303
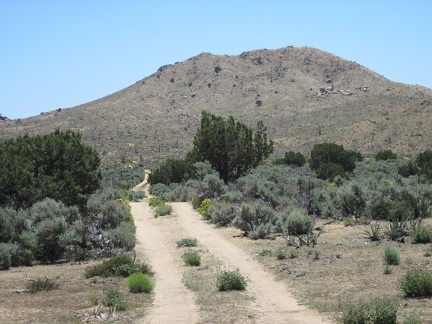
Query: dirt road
173	302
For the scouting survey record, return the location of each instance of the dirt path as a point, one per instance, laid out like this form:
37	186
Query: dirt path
173	302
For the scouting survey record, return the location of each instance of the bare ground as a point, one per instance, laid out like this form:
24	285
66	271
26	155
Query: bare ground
271	301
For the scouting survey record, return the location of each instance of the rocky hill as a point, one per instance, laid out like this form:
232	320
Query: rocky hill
304	96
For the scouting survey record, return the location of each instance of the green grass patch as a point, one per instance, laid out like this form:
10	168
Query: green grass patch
139	283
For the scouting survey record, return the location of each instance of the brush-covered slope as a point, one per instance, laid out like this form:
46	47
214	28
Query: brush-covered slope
304	96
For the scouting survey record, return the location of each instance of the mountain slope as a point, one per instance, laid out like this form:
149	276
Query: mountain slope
304	96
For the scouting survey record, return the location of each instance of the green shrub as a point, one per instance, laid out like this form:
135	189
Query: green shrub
388	269
355	313
192	258
378	311
37	285
163	210
330	170
391	255
332	153
416	283
281	254
114	299
421	235
293	254
294	158
125	270
187	242
49	245
349	221
230	280
171	171
262	231
203	209
385	155
157	200
139	282
266	253
109	267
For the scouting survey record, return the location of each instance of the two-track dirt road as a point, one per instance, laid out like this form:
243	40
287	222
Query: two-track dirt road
173	302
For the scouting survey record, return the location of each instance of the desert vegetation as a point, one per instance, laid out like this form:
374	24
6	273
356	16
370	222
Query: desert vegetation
57	202
283	205
388	198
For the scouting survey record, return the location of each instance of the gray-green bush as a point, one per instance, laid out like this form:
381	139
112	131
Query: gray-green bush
255	220
163	210
391	255
123	236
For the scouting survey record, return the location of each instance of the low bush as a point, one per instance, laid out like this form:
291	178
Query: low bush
421	235
125	270
114	299
157	200
281	254
123	236
192	258
37	285
391	255
293	254
349	221
416	283
203	209
378	311
187	242
109	267
385	155
266	253
230	280
139	283
163	210
294	158
388	269
223	214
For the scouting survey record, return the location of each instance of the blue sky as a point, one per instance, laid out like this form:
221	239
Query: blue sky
59	53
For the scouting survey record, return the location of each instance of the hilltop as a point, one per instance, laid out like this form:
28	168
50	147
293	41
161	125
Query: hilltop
303	95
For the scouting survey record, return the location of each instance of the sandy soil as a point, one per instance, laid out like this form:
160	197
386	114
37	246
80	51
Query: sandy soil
173	302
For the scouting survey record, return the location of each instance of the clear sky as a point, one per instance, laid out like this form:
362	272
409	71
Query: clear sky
62	53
